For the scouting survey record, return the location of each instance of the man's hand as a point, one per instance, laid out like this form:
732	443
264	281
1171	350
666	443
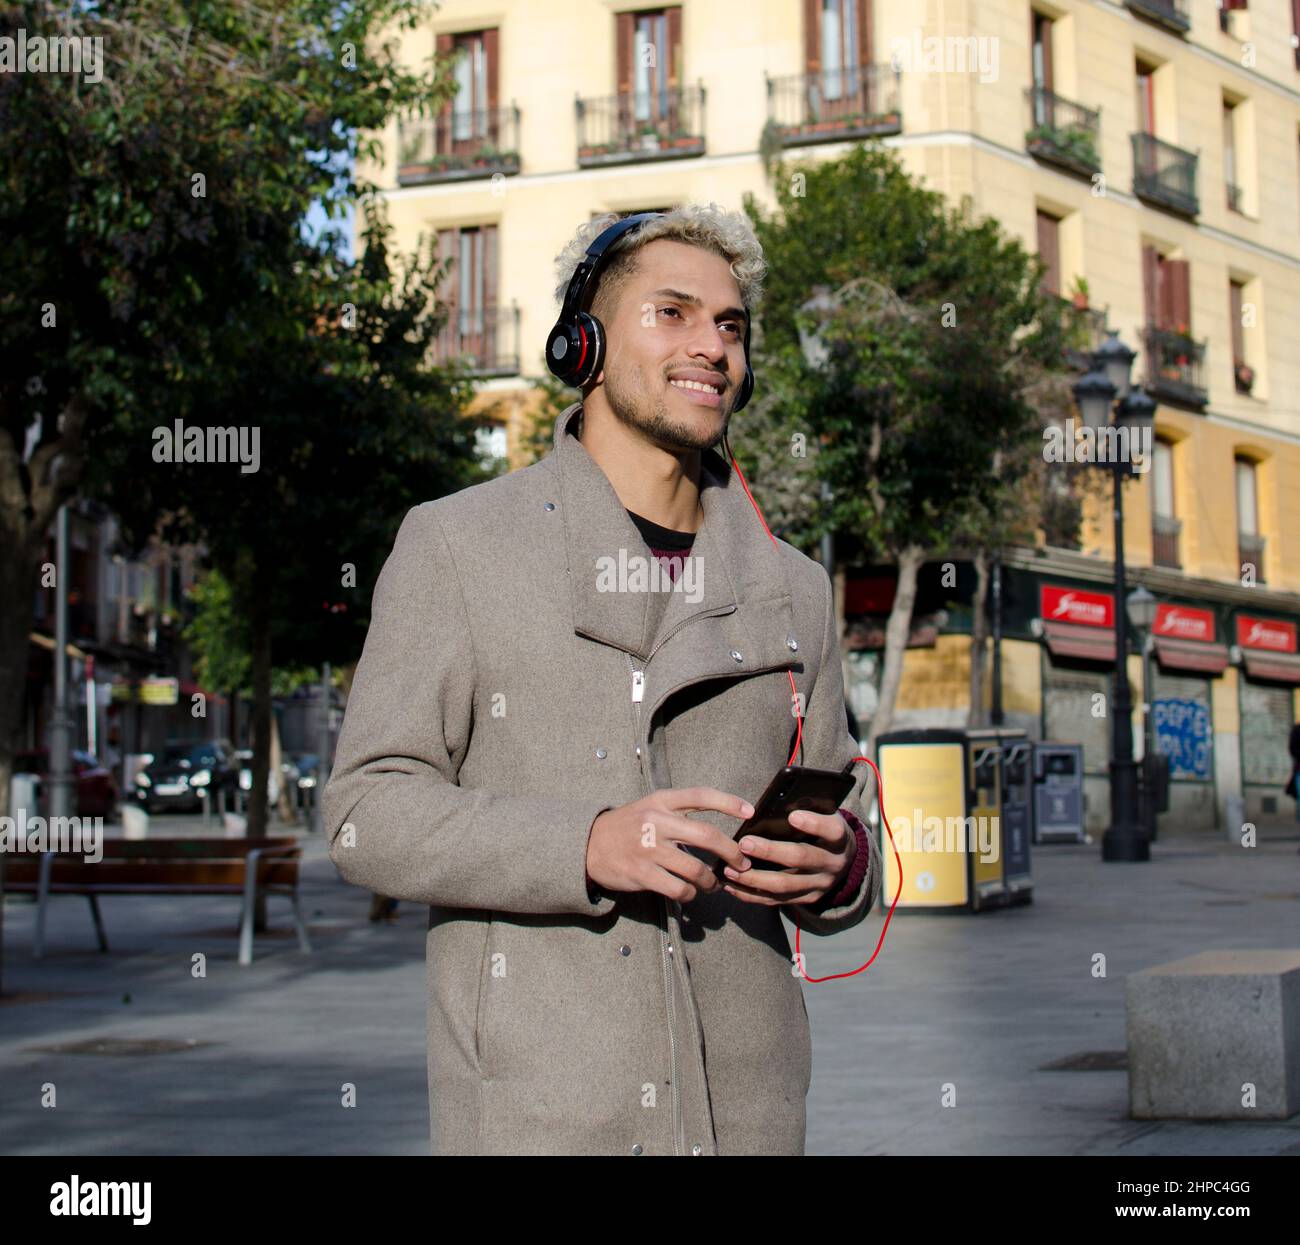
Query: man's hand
637	847
813	870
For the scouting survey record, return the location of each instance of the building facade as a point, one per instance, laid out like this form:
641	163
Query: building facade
1149	151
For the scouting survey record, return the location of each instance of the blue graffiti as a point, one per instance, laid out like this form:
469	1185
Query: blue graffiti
1183	735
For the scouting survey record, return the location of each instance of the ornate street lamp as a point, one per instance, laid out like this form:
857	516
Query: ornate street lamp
1096	393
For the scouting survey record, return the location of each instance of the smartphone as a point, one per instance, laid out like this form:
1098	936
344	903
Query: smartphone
795	787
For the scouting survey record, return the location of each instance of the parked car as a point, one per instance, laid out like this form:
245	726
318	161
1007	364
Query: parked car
96	788
182	771
288	770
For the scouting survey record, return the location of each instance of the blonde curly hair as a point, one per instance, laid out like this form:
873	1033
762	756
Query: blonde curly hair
706	225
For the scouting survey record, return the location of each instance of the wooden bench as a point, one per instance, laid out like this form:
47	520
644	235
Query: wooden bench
250	868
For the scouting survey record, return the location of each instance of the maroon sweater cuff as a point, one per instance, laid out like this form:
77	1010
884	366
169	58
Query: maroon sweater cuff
857	871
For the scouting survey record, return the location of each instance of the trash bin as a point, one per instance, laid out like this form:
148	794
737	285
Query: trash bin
1017	815
942	795
1058	793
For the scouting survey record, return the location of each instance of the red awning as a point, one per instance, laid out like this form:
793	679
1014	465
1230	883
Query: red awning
1088	643
1192	655
1281	667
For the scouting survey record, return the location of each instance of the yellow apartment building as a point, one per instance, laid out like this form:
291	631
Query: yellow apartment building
1148	150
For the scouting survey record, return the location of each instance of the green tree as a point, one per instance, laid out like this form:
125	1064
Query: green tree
920	413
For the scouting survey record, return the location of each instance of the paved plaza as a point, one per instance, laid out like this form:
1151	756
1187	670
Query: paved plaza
253	1060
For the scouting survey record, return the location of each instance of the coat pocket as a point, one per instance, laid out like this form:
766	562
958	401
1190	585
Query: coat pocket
484	992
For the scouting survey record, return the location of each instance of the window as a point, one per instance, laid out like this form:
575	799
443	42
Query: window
1230	156
1049	251
648	52
1146	98
1041	50
837	43
1166	290
1165	527
1250	545
469	117
1243	377
470	292
1247	506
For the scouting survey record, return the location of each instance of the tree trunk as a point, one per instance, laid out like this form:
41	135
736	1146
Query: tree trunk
261	637
896	633
17	577
979	631
284	802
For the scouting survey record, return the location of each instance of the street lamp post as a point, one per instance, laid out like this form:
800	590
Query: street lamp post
1141	608
1103	390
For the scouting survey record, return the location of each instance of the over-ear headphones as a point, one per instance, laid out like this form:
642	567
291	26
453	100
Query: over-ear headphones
575	350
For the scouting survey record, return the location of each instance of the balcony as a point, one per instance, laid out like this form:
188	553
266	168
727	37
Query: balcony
834	105
1062	132
1164	175
1175	367
459	147
1250	556
1171	14
1165	530
641	126
1084	330
485	342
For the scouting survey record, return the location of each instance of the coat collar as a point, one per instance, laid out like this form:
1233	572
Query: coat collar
740	570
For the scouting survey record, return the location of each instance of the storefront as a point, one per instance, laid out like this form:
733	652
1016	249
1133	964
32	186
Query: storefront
1270	673
1078	664
1186	658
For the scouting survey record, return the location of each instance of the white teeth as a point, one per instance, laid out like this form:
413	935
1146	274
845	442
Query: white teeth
693	384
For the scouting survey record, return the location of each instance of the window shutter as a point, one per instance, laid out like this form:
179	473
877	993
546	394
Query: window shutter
1151	285
623	49
864	32
812	35
491	54
1234	314
489	266
444	45
1179	286
1049	252
1229	5
674	66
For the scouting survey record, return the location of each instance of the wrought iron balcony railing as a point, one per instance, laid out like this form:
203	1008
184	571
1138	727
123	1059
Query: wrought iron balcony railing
1164	174
1062	131
1165	530
641	125
1250	555
834	105
1171	14
458	147
1234	197
485	342
1085	330
1176	367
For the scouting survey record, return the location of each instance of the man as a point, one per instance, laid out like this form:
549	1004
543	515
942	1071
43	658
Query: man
529	727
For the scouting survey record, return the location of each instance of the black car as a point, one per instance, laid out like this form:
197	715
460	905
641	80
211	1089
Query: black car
178	775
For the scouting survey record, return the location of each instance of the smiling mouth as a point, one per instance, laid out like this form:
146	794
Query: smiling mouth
708	394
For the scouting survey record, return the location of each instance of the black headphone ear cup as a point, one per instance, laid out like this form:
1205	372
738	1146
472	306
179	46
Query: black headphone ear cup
746	390
592	354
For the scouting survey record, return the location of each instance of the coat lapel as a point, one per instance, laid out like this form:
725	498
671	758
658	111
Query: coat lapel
741	620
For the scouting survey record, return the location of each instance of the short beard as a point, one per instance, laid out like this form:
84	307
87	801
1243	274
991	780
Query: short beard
633	407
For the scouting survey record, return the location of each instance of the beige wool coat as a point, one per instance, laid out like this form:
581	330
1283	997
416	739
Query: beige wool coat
492	718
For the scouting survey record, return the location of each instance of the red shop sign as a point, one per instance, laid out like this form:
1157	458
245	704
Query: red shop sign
1070	605
1182	622
1266	633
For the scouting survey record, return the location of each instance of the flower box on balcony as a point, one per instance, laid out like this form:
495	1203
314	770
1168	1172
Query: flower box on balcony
1244	376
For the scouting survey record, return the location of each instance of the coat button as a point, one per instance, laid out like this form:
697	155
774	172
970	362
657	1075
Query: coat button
601	753
697	1149
550	505
736	653
636	1149
625	950
792	644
